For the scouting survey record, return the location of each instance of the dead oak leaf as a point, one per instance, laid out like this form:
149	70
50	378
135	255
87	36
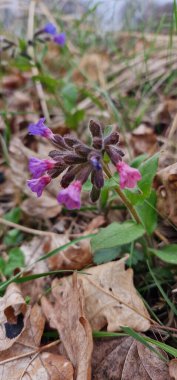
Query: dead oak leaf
23	361
78	255
111	298
173	369
67	316
13	315
127	359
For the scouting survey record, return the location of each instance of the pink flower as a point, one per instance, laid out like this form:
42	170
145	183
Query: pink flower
128	176
37	185
70	196
40	129
39	167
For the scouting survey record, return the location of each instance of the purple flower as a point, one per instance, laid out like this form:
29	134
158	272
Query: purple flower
39	167
70	196
96	163
128	176
37	185
60	39
40	129
50	28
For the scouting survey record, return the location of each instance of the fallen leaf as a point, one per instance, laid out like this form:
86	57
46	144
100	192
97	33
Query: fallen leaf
143	139
78	255
24	361
45	207
111	298
173	369
13	314
67	316
165	184
126	359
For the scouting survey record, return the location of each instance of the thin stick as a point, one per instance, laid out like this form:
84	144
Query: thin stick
26	229
36	351
35	71
123	198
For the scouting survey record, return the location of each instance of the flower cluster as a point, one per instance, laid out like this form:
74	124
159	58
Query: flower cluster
49	28
78	162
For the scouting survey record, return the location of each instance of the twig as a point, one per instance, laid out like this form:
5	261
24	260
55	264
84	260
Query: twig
26	229
35	71
37	351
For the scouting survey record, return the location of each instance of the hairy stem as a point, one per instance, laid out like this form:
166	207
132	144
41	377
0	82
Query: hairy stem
123	198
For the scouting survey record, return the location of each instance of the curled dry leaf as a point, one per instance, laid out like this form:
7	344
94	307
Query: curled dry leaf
144	139
45	207
13	315
166	185
111	298
78	255
67	316
127	359
25	361
173	369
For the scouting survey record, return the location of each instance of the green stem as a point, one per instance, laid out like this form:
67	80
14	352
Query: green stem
124	198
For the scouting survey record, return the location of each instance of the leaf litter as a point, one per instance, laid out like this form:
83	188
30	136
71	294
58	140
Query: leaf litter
103	297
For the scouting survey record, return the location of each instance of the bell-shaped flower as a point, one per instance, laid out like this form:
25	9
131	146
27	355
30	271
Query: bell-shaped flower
71	196
40	129
60	39
37	185
38	167
128	176
50	28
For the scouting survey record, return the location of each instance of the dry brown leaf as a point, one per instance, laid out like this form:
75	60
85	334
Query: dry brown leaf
13	315
127	359
67	316
24	361
173	369
45	207
143	139
78	255
166	185
94	64
111	298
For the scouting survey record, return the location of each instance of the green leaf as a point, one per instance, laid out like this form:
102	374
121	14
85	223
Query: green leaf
74	118
2	265
22	44
13	237
16	260
50	83
14	215
22	63
148	170
147	212
117	234
139	160
70	94
105	255
168	254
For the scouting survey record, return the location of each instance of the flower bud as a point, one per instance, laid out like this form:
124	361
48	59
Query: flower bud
96	131
94	194
112	139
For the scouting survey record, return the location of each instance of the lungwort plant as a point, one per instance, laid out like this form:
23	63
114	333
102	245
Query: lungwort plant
76	163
